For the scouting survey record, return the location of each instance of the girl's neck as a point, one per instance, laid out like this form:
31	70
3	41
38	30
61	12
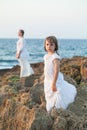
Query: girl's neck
20	37
50	53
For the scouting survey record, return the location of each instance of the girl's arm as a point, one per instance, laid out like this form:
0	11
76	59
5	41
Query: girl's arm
56	63
19	49
18	55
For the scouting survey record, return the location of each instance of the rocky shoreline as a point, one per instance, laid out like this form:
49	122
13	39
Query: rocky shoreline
23	108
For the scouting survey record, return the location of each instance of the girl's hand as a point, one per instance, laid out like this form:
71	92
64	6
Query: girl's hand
54	89
17	56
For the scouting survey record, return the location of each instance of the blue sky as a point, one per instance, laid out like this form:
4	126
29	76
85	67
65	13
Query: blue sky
41	18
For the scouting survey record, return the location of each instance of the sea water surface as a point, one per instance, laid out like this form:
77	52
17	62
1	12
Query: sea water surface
67	48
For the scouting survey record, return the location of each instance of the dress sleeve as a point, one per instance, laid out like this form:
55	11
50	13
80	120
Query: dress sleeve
44	57
21	45
56	56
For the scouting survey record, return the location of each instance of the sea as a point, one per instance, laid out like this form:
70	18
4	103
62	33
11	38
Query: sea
68	48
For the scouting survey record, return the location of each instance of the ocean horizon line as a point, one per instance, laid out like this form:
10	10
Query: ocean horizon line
68	48
44	38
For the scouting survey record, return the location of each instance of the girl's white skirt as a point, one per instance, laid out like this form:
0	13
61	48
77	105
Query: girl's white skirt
26	69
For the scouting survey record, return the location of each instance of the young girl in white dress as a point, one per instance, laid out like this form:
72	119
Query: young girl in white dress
58	92
22	56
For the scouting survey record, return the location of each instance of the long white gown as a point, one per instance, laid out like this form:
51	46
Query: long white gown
26	69
65	93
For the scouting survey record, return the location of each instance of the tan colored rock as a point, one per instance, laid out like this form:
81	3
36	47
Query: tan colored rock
24	108
18	117
59	124
79	107
84	69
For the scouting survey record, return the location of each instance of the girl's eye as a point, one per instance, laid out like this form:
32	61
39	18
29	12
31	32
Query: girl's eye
51	44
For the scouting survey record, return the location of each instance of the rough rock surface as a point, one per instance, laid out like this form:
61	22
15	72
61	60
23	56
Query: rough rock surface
22	101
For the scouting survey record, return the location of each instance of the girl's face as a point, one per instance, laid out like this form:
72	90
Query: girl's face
50	47
19	34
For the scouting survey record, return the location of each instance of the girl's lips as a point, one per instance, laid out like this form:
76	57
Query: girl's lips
49	49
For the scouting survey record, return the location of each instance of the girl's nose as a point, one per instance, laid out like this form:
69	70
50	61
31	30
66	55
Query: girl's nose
49	45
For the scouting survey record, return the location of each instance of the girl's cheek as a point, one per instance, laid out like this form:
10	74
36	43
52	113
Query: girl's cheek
46	48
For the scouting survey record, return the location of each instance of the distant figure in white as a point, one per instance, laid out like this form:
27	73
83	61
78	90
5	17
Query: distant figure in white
23	56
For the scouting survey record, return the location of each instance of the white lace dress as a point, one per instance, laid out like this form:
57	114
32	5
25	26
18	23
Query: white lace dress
26	69
65	93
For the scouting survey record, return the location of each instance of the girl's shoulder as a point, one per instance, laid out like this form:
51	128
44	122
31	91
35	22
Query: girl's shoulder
45	56
22	40
19	40
55	56
51	57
